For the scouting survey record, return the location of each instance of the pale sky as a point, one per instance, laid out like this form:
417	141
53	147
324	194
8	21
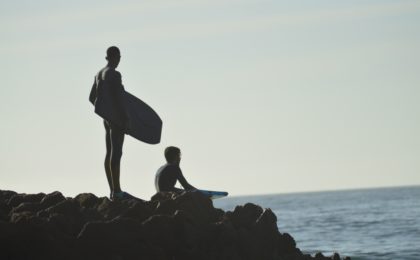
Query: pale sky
261	96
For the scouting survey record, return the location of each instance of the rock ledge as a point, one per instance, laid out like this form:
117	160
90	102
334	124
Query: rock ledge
168	227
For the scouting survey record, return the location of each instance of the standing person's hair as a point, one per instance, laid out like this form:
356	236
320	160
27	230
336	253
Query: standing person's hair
171	152
112	51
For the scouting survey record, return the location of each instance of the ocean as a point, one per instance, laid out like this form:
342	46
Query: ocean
373	224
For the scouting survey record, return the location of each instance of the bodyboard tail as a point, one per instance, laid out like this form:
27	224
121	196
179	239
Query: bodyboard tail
214	194
145	123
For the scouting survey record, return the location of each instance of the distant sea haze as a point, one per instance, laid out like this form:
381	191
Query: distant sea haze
371	224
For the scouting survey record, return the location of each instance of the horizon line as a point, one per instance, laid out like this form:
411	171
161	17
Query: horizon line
327	190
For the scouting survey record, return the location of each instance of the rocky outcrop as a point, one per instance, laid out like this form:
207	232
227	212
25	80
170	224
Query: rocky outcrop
169	227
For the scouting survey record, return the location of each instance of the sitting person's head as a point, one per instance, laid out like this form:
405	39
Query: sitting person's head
173	155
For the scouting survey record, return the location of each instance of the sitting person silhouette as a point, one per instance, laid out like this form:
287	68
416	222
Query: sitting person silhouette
168	174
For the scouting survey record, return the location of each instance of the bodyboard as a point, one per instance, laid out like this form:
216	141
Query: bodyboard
145	124
214	194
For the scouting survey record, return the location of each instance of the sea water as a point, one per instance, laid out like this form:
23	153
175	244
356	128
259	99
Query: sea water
372	224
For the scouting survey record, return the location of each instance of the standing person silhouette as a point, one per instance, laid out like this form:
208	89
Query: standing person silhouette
109	80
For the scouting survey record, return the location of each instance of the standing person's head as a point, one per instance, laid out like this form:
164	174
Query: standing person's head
113	56
173	155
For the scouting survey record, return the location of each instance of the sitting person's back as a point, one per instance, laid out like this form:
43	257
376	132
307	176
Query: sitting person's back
168	174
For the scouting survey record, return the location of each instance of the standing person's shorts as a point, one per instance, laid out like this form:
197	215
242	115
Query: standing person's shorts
114	139
108	125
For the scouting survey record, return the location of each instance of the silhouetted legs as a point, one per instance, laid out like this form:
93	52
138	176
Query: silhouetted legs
114	144
107	163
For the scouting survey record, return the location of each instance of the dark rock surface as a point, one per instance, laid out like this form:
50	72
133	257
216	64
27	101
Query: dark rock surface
168	227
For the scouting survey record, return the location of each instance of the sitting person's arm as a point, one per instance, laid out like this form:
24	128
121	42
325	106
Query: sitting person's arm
183	181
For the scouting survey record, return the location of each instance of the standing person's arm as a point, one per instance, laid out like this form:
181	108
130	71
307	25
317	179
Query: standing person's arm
93	94
183	181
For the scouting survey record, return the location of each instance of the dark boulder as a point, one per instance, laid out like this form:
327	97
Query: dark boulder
26	206
52	199
4	211
164	232
65	207
26	217
65	225
286	244
17	199
199	206
267	221
111	232
160	196
25	241
139	211
5	195
112	209
165	207
245	216
87	200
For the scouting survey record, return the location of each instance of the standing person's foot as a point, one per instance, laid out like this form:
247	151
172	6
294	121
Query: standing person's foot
122	195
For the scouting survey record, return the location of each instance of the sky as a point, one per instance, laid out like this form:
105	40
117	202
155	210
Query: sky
261	96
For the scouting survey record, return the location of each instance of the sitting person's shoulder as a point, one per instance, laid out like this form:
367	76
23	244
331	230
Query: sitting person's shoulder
172	167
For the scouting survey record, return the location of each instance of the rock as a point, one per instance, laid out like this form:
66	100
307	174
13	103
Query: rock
218	241
319	256
17	199
112	209
4	211
266	232
163	232
336	256
26	217
199	206
116	231
26	206
139	211
247	243
52	199
161	196
5	195
89	215
63	224
64	217
166	207
87	200
245	216
65	207
172	226
120	237
267	220
286	244
25	241
190	232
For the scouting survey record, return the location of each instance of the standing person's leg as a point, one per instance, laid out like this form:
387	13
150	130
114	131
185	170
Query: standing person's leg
107	163
117	140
